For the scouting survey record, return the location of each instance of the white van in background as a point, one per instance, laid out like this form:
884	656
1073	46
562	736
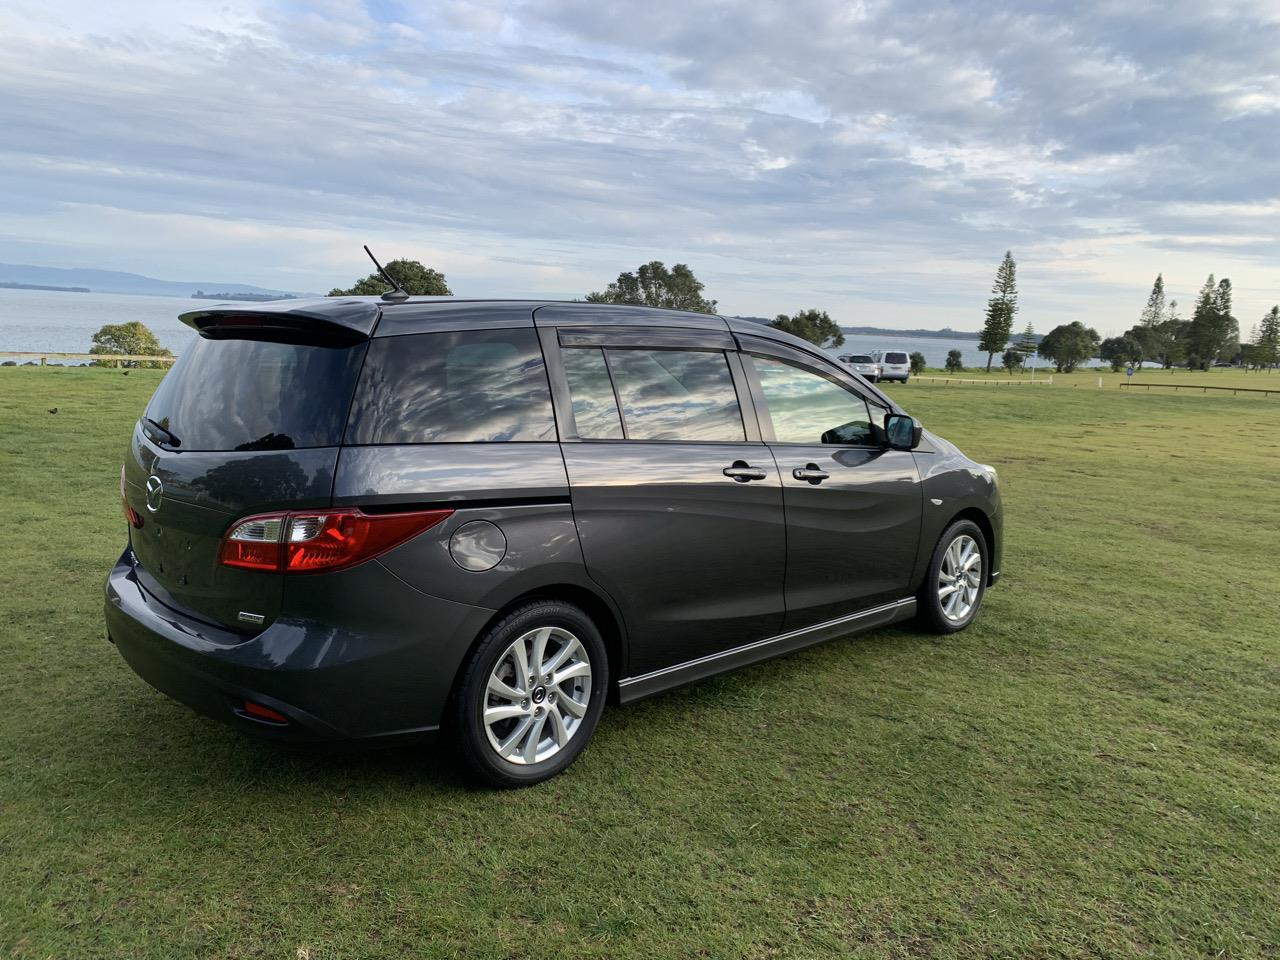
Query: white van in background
894	364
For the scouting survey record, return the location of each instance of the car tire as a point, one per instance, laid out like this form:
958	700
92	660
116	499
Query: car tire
517	727
938	607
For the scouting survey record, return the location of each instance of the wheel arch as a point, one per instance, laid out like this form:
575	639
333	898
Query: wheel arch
595	605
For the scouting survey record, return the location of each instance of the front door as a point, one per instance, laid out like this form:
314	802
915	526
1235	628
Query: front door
853	506
678	508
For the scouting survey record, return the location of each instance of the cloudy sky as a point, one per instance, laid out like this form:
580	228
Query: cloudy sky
874	159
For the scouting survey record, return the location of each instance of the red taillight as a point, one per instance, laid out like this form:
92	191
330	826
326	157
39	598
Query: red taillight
130	514
322	540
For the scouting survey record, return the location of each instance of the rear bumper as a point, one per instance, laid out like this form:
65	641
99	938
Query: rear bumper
381	666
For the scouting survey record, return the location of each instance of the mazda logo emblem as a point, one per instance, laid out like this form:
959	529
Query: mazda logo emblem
155	490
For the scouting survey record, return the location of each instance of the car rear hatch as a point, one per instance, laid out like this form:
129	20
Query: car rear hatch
248	421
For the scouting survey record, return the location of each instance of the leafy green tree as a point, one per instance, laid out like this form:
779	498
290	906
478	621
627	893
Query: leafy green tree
1121	351
133	338
917	362
1213	332
1011	360
812	325
1167	341
410	274
1070	344
1267	344
1112	350
653	285
1000	309
955	361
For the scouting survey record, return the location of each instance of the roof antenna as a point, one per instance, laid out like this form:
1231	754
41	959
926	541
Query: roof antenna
397	293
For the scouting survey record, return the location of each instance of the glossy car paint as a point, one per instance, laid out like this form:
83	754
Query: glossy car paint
688	572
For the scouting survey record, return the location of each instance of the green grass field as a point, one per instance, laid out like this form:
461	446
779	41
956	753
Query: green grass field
1092	770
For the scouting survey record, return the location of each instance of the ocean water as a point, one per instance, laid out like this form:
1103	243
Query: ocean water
65	323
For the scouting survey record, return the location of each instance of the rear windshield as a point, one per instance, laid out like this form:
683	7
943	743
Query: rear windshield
895	358
859	359
257	395
470	386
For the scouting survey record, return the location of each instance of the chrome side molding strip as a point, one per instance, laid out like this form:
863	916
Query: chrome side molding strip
634	688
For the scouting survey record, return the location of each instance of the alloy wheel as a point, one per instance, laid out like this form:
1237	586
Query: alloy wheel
537	695
960	578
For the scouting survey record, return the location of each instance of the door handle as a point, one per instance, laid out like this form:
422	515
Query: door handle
811	473
743	472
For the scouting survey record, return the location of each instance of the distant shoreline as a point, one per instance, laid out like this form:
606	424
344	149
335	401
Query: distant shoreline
946	333
12	285
923	334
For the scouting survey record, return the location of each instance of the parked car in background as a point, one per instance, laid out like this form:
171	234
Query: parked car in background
357	519
894	365
862	364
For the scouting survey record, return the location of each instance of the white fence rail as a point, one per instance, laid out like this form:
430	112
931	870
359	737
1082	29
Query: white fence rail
987	382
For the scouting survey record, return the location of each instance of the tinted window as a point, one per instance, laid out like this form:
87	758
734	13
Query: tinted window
860	359
595	409
676	395
895	358
257	395
467	386
808	408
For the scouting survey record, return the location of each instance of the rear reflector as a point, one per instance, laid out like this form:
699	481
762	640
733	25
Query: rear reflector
259	712
319	541
130	514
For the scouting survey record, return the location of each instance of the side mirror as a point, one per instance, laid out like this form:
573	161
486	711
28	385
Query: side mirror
902	432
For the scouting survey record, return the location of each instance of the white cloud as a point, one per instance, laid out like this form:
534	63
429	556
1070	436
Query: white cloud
874	159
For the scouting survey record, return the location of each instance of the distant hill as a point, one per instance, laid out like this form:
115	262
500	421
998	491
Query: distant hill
946	333
11	285
113	281
238	297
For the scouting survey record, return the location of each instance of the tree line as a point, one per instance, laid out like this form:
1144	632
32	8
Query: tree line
1210	335
1161	335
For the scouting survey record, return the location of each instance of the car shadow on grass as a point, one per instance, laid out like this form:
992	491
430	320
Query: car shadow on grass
158	740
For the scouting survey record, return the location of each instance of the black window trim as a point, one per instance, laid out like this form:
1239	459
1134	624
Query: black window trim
646	338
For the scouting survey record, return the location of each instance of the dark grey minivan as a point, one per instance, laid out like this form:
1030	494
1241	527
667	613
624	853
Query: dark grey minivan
353	518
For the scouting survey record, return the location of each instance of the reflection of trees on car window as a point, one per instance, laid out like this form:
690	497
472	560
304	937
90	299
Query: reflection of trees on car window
676	395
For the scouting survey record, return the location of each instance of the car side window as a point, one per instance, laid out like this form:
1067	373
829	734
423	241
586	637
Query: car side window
595	408
806	407
676	395
468	386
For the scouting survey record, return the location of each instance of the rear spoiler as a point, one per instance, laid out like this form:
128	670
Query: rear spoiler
337	319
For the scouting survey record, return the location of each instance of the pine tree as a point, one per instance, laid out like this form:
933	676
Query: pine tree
1226	330
1154	311
1201	330
1028	343
1146	333
1000	310
1267	353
